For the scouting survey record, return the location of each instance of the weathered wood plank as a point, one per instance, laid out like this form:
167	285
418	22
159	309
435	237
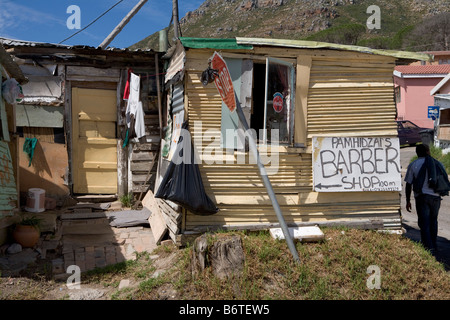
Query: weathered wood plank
156	220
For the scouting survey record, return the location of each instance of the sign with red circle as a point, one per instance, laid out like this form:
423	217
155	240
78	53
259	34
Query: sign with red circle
278	102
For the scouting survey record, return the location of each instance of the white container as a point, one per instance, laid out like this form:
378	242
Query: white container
35	200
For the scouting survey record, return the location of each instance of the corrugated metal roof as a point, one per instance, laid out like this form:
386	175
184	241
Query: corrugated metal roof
428	69
302	44
23	43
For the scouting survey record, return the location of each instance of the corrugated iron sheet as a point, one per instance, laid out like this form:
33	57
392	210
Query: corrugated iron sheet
346	96
350	96
176	63
23	43
178	98
303	44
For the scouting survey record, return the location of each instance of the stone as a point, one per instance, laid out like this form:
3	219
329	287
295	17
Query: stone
85	294
124	284
14	248
166	242
57	266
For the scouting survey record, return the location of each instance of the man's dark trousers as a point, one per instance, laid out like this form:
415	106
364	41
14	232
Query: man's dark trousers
427	211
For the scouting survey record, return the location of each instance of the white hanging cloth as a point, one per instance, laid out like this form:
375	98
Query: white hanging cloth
134	107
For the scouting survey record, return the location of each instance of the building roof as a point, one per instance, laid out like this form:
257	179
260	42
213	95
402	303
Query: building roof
429	69
438	53
248	43
24	43
440	85
88	55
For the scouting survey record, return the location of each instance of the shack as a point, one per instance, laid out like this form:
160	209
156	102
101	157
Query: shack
9	193
76	109
323	116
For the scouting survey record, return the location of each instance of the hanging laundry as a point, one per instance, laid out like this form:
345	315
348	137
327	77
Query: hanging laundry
126	92
28	147
134	112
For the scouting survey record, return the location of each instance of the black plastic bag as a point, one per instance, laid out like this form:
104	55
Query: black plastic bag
182	182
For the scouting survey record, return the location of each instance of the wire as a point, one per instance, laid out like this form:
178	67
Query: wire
91	22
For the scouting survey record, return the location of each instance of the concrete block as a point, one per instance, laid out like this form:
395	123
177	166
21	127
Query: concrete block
57	266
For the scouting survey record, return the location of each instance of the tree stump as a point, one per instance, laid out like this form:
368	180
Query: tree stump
223	253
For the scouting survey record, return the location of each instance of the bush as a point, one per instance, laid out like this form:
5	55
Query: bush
343	34
436	153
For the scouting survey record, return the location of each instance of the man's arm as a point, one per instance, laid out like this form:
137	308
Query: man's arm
408	196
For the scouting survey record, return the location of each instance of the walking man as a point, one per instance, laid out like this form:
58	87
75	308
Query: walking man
418	177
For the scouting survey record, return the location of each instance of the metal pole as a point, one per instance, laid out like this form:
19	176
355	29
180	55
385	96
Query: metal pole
267	183
122	24
175	19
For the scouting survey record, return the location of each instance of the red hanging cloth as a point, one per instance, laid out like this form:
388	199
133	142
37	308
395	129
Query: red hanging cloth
126	92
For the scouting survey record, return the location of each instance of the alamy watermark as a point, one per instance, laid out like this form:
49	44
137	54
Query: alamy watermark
74	281
374	280
213	147
374	21
74	20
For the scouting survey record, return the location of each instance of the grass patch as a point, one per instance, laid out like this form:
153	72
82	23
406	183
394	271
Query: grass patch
336	268
436	153
127	200
333	269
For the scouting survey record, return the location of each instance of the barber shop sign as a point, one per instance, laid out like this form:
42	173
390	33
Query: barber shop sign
356	164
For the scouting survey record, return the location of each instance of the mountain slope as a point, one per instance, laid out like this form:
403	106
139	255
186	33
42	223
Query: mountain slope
299	19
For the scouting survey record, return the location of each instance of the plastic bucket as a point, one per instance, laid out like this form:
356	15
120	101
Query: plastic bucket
35	200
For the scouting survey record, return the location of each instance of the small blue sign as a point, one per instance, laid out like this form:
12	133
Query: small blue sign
433	112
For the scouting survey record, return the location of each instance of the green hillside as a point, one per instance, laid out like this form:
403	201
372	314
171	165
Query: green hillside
340	21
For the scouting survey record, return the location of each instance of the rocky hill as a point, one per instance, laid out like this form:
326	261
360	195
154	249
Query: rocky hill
303	19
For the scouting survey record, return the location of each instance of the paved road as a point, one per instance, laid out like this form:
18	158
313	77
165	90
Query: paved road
410	218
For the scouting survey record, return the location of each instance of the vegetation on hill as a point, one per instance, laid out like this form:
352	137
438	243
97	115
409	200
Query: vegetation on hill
417	25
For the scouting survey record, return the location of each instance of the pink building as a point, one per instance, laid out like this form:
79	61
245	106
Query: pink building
413	85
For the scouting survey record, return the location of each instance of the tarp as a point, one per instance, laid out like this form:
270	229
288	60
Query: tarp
212	43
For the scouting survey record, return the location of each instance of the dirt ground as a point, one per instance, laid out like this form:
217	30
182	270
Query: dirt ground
33	284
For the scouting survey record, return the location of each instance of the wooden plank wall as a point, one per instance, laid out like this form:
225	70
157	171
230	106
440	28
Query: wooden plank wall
348	94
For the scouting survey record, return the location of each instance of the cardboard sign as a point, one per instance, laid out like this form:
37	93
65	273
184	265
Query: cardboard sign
356	164
223	82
